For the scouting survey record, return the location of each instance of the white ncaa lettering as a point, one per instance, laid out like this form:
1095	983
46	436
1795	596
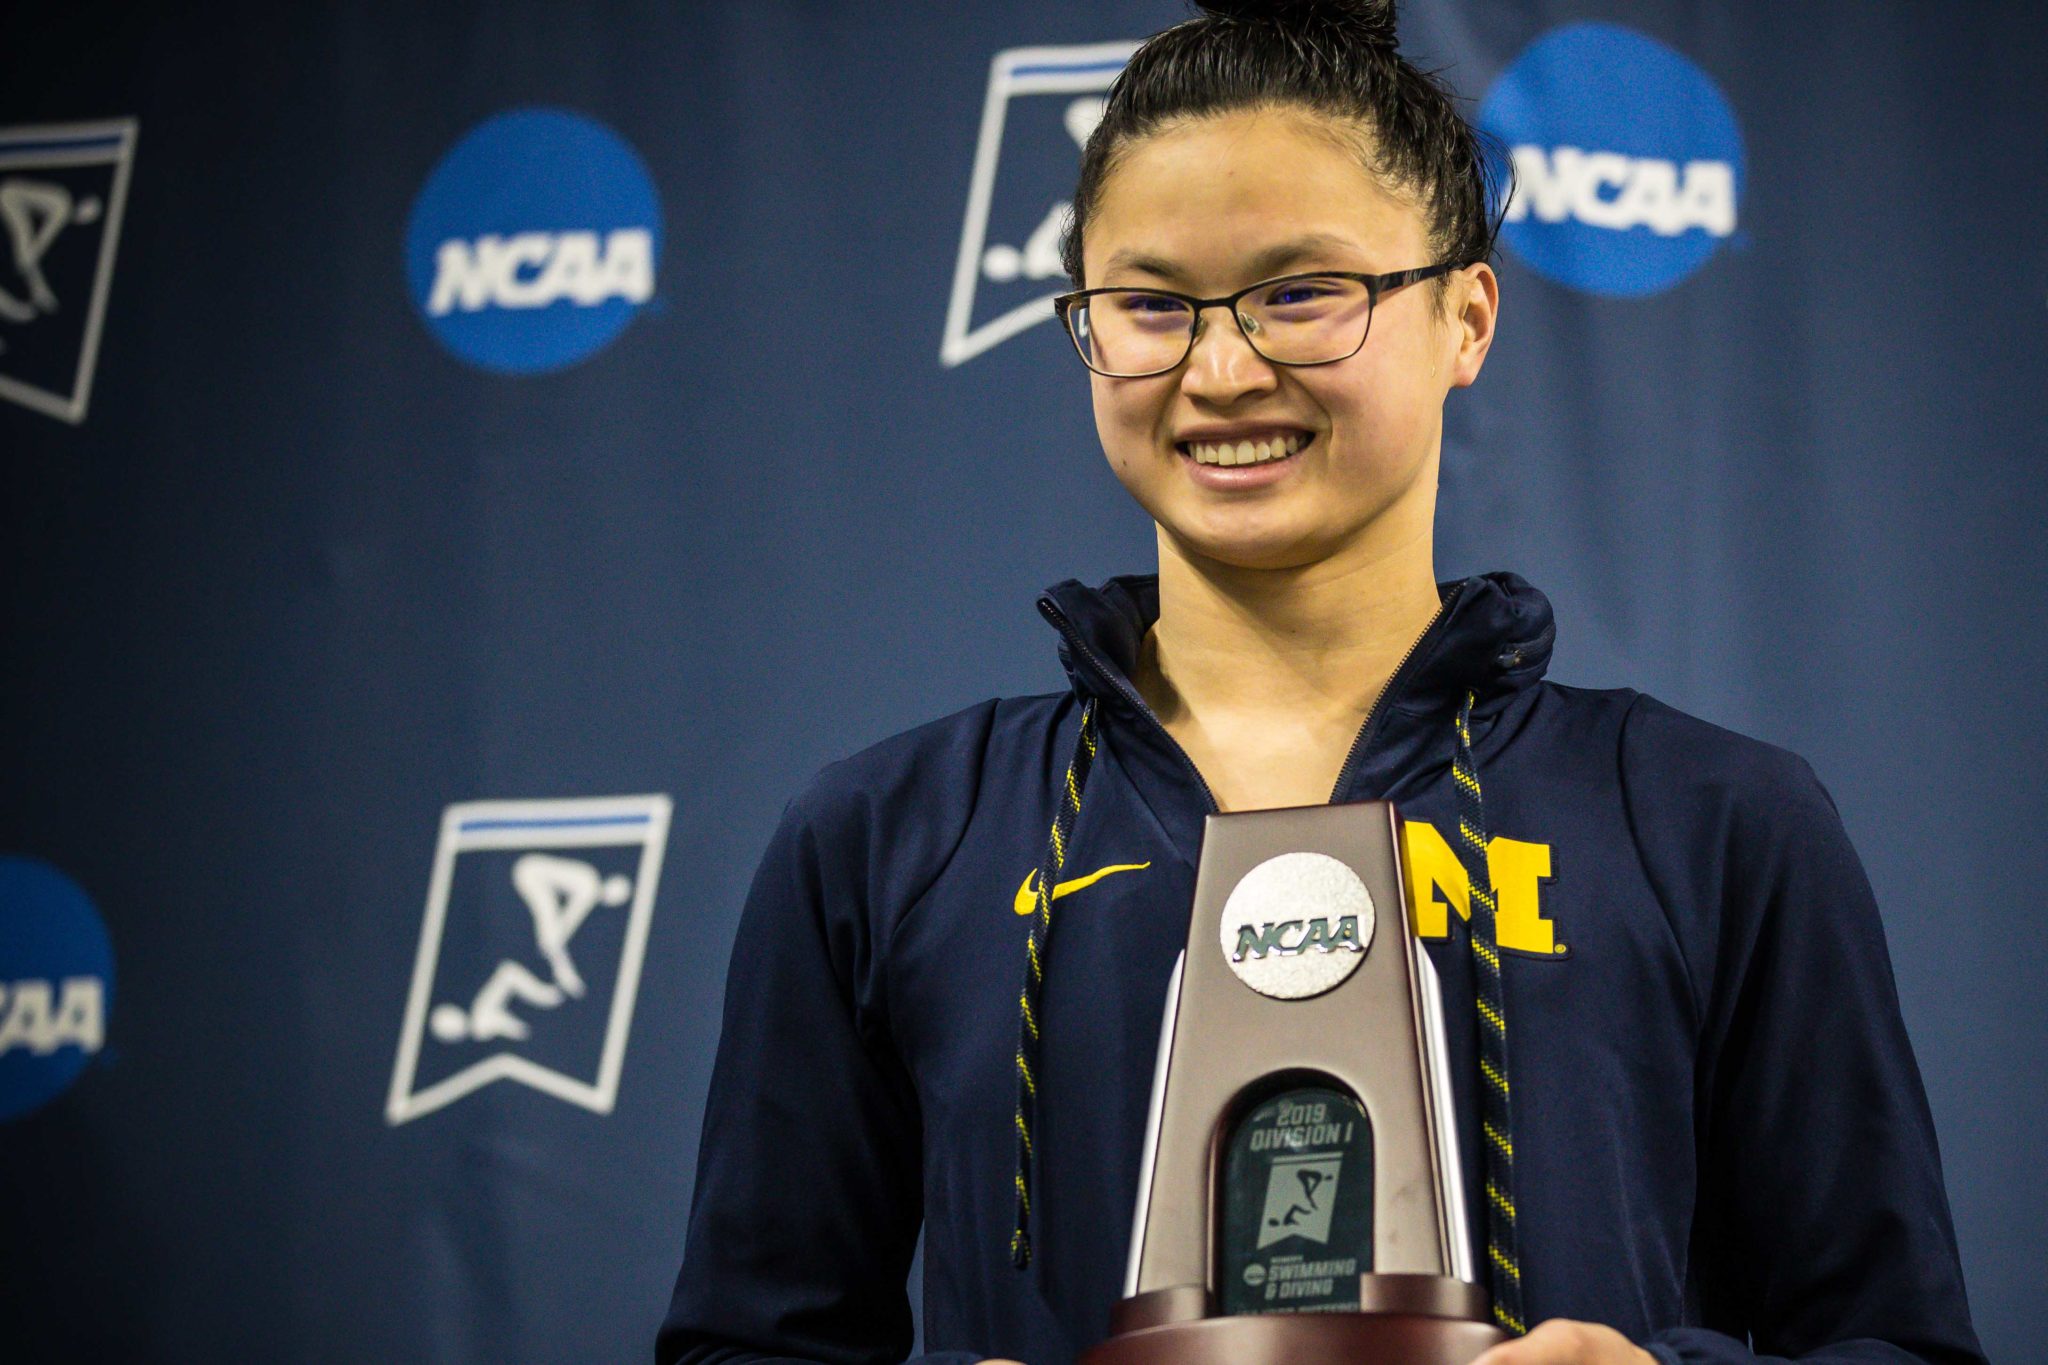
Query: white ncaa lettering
78	1019
536	269
1611	190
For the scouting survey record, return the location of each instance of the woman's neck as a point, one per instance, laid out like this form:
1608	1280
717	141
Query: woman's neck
1265	676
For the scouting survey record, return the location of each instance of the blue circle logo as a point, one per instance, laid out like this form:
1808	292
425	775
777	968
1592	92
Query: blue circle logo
533	242
56	984
1628	160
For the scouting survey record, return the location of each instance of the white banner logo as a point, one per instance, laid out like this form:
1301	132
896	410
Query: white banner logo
1300	1193
1028	204
62	190
530	953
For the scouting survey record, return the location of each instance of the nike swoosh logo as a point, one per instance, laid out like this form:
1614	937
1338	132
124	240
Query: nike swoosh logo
1027	894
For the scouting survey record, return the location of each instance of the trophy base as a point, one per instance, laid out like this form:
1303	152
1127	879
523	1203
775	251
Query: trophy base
1303	1339
1411	1320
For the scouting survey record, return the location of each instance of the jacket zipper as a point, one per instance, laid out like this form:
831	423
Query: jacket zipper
1360	741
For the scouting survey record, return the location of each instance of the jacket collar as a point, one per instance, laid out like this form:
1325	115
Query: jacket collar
1493	637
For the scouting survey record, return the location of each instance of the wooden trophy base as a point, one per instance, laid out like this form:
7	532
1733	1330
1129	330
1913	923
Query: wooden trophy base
1404	1320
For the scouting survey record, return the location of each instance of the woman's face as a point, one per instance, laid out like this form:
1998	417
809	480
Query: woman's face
1208	206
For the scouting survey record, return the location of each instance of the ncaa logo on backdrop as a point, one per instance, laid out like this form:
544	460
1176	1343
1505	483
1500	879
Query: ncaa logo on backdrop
530	953
56	984
533	243
1628	160
1042	104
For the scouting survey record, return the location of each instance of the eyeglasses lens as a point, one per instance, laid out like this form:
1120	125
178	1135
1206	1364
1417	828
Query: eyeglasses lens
1306	321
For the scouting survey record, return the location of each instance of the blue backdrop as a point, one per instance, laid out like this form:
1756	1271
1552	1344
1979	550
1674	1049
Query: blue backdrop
466	466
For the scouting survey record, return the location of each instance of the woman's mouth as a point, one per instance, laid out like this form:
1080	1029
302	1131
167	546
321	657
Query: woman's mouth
1278	446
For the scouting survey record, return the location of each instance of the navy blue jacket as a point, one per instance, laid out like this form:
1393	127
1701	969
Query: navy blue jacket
1722	1139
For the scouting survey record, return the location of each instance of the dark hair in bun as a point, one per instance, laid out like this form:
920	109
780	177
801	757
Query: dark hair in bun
1332	57
1371	20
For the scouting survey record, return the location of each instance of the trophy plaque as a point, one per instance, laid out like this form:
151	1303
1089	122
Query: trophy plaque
1301	1197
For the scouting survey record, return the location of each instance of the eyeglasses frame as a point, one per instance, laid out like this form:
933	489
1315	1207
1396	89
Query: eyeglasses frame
1375	286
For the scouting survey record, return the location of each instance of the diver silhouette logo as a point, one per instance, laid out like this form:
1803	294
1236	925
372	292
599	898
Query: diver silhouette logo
1300	1193
560	893
62	189
1042	104
32	213
1311	1181
557	897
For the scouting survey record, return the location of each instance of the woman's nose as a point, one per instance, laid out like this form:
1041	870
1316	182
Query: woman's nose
1222	365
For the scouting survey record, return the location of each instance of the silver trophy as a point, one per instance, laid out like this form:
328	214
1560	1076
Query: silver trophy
1301	1195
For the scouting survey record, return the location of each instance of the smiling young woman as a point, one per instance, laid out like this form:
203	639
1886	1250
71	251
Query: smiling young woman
1289	586
1720	1145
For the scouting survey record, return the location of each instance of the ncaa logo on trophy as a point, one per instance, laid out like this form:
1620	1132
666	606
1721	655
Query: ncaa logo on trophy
1297	925
1042	104
531	949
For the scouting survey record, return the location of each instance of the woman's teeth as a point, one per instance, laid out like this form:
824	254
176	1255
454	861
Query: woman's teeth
1246	452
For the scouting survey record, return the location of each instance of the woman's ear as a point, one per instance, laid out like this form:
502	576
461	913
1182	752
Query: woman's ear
1476	299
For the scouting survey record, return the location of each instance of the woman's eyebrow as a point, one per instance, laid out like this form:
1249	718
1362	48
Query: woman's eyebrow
1275	259
1144	263
1270	261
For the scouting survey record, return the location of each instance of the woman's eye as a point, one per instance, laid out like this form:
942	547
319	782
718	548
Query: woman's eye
1299	292
1152	305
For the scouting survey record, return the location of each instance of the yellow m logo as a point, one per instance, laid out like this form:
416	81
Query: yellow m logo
1437	884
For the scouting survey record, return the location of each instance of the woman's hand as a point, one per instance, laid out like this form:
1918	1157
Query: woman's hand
1561	1341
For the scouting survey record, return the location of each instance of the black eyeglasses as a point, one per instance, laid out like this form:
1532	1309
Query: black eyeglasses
1313	319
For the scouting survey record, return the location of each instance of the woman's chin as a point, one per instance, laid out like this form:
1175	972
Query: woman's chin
1262	549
